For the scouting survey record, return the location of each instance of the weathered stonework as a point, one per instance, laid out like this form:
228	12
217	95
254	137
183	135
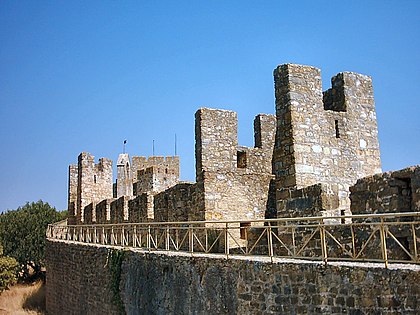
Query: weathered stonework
236	179
170	284
303	163
140	209
328	138
94	182
72	196
119	209
124	176
103	211
397	191
174	204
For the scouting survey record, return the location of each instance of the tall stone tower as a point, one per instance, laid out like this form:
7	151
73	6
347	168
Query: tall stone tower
325	141
94	182
233	180
124	176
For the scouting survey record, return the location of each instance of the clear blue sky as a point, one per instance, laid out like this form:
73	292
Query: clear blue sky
85	75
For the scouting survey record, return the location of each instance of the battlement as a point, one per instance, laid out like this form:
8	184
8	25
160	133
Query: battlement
217	143
324	137
168	164
236	179
94	182
304	158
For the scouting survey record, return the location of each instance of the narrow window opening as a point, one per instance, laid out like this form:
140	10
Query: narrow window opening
241	159
244	229
337	130
94	179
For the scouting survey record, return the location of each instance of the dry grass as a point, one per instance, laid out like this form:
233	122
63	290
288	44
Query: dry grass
23	300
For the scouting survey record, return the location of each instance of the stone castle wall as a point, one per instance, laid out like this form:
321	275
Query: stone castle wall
328	138
124	184
103	211
236	179
162	284
303	163
94	182
397	191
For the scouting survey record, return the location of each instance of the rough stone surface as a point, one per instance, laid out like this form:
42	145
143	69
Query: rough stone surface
124	176
236	179
139	208
119	209
397	191
162	284
94	182
103	211
328	138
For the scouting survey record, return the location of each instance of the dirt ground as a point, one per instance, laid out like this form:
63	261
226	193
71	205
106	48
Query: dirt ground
23	299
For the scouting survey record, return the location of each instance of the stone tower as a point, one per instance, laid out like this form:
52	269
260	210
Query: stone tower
124	176
325	141
233	179
94	183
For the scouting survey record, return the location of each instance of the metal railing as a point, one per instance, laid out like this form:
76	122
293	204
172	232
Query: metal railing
392	237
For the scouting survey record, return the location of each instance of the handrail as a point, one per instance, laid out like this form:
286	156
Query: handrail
368	237
292	219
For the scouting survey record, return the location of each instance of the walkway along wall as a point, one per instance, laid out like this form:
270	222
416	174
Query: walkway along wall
80	279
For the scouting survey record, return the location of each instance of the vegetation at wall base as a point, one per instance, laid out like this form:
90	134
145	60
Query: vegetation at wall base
22	234
114	261
8	271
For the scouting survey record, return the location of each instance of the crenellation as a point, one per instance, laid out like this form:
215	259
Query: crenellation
72	193
304	160
119	209
322	134
124	176
103	211
318	156
140	209
94	182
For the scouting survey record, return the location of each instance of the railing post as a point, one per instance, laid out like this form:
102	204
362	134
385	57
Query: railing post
323	241
148	239
112	235
353	240
270	241
226	240
123	236
190	239
293	241
167	238
134	236
383	242
414	242
207	239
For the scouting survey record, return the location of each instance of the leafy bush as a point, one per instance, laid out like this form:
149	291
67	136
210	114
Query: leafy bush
8	271
22	233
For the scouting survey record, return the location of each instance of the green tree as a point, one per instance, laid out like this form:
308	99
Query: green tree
8	270
22	233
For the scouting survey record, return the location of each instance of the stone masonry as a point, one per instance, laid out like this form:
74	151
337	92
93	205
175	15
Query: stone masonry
94	183
397	191
325	138
304	162
153	283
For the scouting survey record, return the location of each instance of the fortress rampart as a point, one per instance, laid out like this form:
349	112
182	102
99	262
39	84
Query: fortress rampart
80	281
303	163
318	156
